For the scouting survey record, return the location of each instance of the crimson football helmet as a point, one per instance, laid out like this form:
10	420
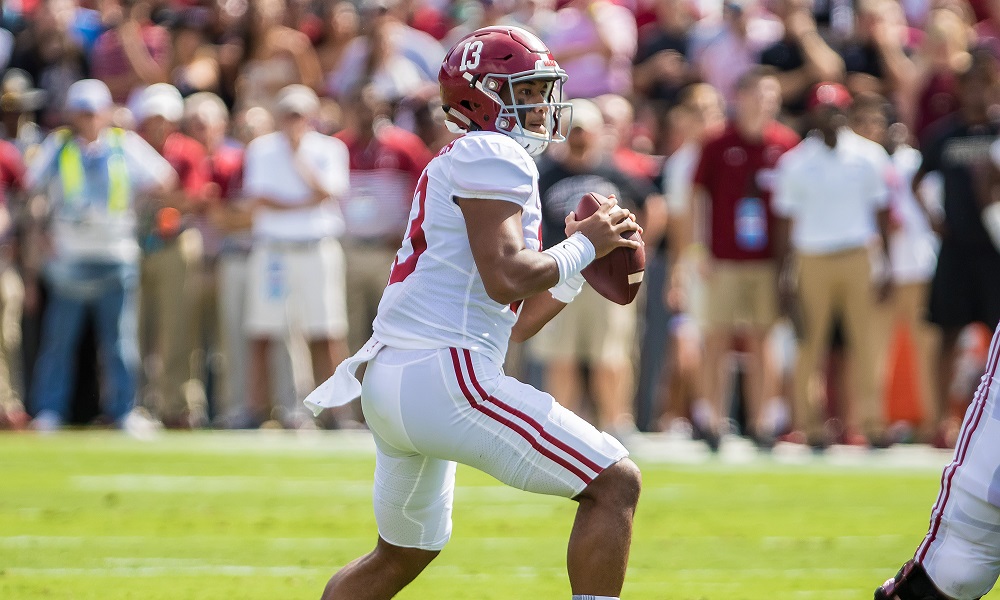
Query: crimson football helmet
477	80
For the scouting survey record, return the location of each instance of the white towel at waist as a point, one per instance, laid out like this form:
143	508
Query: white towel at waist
343	386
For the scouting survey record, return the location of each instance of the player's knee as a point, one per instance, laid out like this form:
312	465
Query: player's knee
618	485
963	578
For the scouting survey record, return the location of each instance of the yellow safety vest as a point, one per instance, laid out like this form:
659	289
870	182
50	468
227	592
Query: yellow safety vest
72	175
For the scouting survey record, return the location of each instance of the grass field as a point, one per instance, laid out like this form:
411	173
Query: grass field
96	515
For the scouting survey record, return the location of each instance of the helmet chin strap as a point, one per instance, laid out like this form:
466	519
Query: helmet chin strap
533	143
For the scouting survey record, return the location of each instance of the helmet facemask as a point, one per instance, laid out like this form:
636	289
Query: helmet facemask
512	117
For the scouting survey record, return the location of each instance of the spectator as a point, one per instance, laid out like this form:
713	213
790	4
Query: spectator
171	255
943	55
595	42
965	287
225	228
133	52
878	57
293	177
831	200
802	57
12	172
591	330
386	163
662	63
196	61
91	173
912	254
273	56
723	53
618	114
700	116
47	51
395	58
734	181
341	25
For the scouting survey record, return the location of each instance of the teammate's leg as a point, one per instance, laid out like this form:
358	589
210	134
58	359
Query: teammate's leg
602	533
381	573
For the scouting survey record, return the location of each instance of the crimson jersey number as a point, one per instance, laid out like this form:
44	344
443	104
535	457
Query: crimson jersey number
415	237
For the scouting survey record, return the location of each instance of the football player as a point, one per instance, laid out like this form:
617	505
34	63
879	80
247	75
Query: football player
469	277
959	558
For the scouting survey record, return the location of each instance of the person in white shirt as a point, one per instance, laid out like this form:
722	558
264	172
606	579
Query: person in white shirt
831	200
468	278
293	178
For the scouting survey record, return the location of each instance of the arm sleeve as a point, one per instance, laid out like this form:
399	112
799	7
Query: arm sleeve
336	176
145	165
783	201
490	171
14	165
881	176
253	175
42	166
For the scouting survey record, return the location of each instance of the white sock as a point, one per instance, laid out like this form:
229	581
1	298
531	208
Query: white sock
589	597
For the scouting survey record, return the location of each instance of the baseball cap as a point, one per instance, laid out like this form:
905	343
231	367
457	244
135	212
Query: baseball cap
159	100
88	95
828	94
586	116
18	92
297	99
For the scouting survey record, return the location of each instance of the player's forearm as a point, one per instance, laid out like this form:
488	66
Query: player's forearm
520	276
534	313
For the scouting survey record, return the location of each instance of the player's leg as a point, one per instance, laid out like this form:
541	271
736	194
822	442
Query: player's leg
602	532
525	439
413	492
413	500
381	573
959	558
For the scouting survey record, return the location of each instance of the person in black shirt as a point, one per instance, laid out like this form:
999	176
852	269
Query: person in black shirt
966	285
591	330
802	57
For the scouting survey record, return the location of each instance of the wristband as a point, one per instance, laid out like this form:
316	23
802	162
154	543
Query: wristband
572	255
566	291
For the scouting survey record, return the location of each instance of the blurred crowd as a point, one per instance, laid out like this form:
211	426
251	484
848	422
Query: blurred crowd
202	200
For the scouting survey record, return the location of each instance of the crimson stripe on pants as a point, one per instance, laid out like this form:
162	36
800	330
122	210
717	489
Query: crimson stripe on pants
534	424
513	426
965	440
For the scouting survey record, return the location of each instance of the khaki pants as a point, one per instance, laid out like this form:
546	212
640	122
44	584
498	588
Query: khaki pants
909	306
832	284
368	268
168	326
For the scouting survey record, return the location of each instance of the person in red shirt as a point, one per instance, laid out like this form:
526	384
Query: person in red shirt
732	187
12	170
170	262
386	162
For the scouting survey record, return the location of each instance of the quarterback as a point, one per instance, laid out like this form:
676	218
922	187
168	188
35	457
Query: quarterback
469	277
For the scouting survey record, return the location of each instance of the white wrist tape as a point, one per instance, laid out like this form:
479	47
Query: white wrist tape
991	221
572	255
566	291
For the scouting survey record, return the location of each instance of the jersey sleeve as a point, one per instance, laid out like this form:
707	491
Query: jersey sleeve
491	170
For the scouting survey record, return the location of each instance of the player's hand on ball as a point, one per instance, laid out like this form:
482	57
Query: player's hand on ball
607	228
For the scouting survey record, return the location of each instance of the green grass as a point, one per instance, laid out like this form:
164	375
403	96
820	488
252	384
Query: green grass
95	515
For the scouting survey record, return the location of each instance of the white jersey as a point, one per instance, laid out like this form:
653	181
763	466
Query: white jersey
436	297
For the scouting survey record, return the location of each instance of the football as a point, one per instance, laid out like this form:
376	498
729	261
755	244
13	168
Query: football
618	275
